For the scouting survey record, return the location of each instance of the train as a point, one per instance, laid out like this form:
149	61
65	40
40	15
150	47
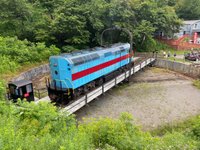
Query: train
74	74
77	73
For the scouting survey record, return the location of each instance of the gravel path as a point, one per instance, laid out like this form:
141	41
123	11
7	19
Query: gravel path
154	97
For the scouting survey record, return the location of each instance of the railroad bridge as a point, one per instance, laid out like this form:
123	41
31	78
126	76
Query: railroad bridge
140	61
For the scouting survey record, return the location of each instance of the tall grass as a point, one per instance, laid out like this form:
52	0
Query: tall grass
196	83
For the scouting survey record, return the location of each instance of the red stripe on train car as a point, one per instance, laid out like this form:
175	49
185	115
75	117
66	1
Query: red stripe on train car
97	68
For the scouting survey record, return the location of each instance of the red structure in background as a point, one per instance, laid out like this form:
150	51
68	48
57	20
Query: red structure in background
182	43
195	37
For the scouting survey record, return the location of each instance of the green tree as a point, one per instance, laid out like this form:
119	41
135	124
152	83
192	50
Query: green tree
142	18
16	19
69	25
188	10
78	23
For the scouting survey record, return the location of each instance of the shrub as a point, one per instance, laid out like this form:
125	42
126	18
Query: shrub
39	126
196	83
194	128
14	52
42	126
151	45
2	90
175	141
122	134
7	65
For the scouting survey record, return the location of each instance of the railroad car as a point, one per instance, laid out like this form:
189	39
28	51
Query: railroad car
22	89
76	73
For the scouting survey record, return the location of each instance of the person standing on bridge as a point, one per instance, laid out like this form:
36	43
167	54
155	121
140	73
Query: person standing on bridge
174	56
169	54
164	54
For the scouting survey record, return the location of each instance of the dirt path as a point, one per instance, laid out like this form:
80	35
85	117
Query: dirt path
154	97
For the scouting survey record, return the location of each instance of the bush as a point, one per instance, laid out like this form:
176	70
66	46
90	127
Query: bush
2	90
194	129
39	126
175	141
42	126
196	83
122	134
152	44
7	65
14	52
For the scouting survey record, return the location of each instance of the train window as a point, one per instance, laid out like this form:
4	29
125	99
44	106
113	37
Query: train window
78	61
107	54
94	56
29	88
117	52
16	92
84	59
20	92
87	58
122	50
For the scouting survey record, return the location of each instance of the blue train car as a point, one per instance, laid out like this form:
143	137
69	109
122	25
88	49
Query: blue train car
72	72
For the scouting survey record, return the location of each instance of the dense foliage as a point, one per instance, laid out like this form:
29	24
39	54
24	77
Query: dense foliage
26	125
79	23
14	53
188	9
34	126
41	126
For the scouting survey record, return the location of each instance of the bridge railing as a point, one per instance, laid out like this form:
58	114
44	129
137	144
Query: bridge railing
40	93
76	105
145	55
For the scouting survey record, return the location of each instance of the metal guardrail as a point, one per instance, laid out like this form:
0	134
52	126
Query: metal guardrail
73	107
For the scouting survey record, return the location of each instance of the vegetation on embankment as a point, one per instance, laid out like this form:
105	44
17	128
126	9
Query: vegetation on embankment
20	55
196	83
189	127
41	126
34	126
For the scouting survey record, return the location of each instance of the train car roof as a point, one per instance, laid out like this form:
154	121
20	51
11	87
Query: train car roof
93	52
20	83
